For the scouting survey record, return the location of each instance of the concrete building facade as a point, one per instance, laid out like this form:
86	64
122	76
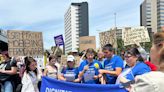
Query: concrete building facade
152	14
109	36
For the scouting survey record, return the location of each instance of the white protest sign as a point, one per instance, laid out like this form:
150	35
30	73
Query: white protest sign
135	35
40	62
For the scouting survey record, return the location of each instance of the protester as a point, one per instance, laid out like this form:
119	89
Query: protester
30	77
144	55
7	70
88	69
82	56
20	71
137	66
70	73
101	57
52	69
123	57
152	81
113	65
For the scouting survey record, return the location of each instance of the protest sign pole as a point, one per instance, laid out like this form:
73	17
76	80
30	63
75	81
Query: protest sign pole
64	49
83	55
45	59
55	50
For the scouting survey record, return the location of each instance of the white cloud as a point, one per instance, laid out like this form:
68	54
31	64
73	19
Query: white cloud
48	15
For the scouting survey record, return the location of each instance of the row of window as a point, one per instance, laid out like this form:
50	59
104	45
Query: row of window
161	23
160	8
160	12
159	1
67	26
66	20
160	17
68	45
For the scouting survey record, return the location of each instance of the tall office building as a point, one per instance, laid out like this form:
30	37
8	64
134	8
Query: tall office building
76	25
152	14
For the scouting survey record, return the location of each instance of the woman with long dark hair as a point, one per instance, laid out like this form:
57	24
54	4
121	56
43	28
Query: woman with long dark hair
52	70
30	77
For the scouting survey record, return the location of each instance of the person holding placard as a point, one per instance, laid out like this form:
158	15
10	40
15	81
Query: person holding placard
152	81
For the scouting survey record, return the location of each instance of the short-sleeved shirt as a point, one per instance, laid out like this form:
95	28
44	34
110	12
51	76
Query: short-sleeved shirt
91	72
70	73
102	63
111	65
52	72
7	65
139	69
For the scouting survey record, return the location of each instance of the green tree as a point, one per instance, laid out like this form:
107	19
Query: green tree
56	50
120	46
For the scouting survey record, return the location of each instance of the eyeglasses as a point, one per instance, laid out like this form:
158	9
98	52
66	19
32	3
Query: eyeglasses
127	56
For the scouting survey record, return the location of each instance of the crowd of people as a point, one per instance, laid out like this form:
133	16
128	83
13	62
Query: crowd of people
106	68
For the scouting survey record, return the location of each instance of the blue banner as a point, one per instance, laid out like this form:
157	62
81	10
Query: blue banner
59	40
52	85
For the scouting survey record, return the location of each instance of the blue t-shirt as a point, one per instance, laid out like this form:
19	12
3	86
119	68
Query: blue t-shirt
70	73
92	71
139	69
111	65
102	63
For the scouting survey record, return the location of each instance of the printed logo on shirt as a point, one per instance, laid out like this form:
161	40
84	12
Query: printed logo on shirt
96	65
109	67
70	72
89	74
70	75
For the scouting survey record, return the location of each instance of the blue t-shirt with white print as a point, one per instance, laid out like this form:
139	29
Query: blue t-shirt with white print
93	70
70	73
111	65
139	69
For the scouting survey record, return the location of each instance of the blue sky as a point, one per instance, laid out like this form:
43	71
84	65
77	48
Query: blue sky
47	16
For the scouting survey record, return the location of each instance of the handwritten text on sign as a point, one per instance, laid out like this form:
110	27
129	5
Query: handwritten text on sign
25	43
133	35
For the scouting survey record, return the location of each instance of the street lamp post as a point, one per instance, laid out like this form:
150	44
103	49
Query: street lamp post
115	20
